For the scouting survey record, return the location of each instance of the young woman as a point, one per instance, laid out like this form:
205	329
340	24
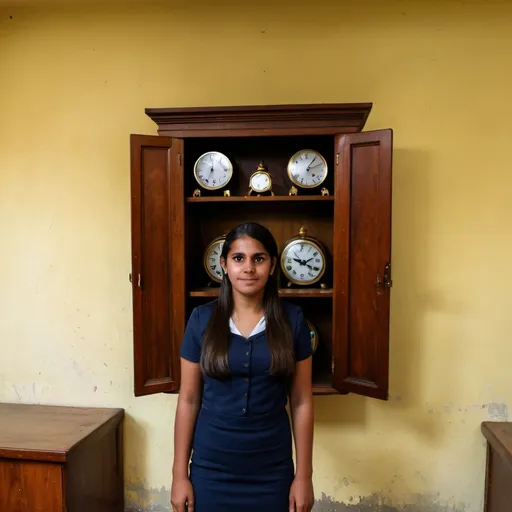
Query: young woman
241	357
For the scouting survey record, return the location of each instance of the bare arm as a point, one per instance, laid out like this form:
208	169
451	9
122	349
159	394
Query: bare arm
301	404
189	402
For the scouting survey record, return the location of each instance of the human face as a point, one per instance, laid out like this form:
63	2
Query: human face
248	266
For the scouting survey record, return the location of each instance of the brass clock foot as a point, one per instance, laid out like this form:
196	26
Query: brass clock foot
197	193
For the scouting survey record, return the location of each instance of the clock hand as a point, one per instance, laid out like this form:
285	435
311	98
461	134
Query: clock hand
298	260
310	163
302	262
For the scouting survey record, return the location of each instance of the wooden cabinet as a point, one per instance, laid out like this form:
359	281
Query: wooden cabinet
498	481
67	459
172	226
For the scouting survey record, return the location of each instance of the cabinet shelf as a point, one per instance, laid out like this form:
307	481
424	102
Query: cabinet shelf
283	292
258	199
322	385
325	390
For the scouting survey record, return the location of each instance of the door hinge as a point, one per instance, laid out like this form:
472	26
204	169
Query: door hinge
337	158
130	277
179	159
384	282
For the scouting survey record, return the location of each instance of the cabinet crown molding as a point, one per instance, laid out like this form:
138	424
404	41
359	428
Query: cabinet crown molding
290	119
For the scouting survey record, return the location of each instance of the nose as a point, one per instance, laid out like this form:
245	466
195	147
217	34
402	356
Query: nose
249	267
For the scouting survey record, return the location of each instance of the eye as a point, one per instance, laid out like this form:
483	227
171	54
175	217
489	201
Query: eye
259	259
238	258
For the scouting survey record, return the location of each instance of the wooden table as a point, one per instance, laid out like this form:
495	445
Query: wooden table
54	459
498	480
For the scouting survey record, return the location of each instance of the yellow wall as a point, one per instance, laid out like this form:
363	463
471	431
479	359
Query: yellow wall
75	80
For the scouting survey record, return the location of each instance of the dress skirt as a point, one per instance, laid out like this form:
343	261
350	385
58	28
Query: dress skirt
242	463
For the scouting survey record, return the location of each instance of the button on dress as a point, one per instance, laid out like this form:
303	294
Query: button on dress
242	445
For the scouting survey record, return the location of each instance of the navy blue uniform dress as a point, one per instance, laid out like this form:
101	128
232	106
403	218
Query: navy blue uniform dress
242	445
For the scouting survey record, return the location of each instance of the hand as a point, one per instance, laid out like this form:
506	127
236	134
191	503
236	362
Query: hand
302	497
182	495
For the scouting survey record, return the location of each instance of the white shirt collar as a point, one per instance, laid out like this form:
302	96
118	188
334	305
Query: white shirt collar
260	327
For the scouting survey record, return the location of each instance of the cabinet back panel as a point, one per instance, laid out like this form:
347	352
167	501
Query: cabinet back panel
206	221
319	313
245	153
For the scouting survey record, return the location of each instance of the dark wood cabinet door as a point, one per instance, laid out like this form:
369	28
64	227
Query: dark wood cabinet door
362	262
158	282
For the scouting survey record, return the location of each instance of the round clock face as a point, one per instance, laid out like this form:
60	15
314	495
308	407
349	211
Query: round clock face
260	182
303	262
212	259
307	168
213	170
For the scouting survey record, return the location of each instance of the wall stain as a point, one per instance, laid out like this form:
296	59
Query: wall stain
141	499
497	412
379	503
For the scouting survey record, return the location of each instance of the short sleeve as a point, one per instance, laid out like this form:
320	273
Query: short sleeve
302	338
191	342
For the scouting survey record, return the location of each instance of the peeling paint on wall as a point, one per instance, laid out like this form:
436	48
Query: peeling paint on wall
497	412
140	499
379	503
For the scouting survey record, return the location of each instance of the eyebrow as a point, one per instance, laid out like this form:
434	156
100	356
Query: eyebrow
253	255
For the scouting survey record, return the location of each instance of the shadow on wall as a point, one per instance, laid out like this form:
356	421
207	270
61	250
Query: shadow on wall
412	306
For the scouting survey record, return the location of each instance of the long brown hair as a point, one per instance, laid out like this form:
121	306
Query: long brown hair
214	353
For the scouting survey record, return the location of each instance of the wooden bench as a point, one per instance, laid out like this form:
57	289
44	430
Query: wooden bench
67	459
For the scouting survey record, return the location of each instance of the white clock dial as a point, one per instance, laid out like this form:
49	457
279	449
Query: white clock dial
307	168
260	182
303	262
213	170
212	259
